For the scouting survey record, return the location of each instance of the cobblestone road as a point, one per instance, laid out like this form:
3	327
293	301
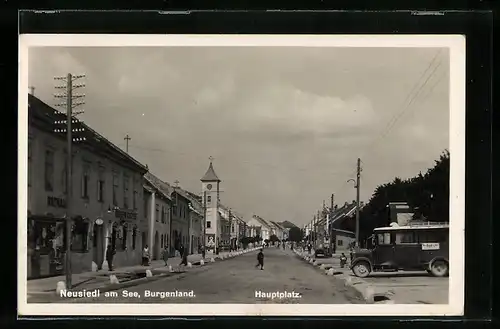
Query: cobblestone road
237	280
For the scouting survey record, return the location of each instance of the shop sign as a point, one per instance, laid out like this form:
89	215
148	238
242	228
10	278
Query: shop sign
125	214
56	202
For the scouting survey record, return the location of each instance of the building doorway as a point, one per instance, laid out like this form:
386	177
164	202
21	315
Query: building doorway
98	245
114	232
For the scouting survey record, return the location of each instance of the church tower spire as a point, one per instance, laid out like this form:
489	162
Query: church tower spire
210	175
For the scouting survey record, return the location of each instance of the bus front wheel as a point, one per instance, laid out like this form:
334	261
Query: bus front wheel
439	268
361	269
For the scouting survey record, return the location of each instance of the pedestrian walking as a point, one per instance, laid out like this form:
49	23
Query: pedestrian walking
145	256
309	247
260	259
110	252
165	255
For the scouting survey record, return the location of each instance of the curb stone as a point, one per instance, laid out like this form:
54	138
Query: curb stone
364	289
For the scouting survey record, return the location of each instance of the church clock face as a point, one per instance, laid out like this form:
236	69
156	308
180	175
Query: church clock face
209	186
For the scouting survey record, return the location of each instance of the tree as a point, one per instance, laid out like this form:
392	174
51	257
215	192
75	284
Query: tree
427	194
246	240
273	238
295	234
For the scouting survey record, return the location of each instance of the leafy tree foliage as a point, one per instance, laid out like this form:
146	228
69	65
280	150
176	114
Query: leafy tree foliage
427	194
295	234
274	238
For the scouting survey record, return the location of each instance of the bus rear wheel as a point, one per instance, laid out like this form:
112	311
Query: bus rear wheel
439	268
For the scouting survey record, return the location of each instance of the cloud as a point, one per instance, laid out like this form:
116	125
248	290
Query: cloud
285	125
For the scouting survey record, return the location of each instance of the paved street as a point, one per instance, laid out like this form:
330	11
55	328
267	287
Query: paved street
236	280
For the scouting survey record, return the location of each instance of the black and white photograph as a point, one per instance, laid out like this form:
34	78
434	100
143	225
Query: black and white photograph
241	175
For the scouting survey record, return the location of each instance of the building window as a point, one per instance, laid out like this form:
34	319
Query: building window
115	189
232	229
79	235
209	199
340	243
47	236
125	191
157	213
161	241
85	181
49	170
124	237
30	161
209	224
145	207
100	189
134	196
134	237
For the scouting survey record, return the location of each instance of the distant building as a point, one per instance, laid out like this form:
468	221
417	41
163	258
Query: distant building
196	225
158	208
258	226
181	218
106	199
400	213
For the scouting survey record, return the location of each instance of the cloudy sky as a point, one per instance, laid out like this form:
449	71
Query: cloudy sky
284	125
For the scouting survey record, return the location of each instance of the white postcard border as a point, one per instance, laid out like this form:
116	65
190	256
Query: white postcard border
456	46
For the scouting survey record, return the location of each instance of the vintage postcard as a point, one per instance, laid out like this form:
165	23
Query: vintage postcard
241	175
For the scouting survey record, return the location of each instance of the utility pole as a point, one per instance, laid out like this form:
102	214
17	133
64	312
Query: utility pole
230	228
358	184
330	227
69	87
204	222
127	138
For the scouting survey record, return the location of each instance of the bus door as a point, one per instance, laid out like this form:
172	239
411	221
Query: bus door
383	254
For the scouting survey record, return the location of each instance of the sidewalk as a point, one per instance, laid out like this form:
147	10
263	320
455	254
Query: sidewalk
403	287
93	280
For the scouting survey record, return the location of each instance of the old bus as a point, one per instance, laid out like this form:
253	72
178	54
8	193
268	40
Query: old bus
418	246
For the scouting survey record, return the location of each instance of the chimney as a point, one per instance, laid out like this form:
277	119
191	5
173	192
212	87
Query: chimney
361	203
345	204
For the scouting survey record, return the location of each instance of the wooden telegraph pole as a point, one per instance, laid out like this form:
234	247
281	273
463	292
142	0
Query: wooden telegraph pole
70	119
358	184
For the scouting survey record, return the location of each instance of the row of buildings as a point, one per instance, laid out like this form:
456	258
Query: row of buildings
333	226
115	200
336	226
265	229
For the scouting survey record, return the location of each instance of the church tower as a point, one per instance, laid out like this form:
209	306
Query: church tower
210	197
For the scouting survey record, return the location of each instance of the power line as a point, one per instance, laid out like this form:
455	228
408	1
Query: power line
399	114
405	110
410	99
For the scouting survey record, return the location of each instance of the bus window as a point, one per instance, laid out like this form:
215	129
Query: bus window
405	237
384	238
432	236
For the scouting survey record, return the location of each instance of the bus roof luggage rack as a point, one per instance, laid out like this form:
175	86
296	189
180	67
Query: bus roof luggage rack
413	224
